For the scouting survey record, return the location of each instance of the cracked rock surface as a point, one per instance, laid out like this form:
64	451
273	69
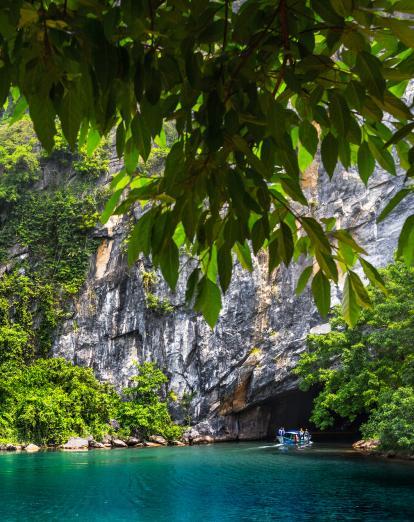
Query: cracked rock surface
235	382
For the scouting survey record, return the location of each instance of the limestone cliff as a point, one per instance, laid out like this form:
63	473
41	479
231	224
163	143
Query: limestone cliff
236	381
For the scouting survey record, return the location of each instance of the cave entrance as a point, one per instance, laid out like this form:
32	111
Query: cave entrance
291	410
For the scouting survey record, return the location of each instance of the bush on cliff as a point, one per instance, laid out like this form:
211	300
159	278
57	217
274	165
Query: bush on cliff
369	369
145	413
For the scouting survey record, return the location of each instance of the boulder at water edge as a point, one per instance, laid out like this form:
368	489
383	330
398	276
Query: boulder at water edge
133	441
158	440
76	443
118	443
366	445
97	445
31	448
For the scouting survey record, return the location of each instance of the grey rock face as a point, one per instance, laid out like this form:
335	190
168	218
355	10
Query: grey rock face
235	382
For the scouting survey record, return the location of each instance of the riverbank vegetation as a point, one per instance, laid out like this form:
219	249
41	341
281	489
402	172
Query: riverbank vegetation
50	400
369	370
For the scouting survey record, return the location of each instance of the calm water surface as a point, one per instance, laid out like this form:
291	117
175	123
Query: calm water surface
240	482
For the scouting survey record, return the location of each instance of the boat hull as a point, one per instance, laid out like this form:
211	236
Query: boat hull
286	441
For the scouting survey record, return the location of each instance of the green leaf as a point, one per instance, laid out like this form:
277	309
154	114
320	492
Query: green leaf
71	114
293	189
360	290
394	202
329	152
110	206
345	237
327	264
4	84
350	307
179	235
285	243
140	238
274	256
366	162
308	136
258	235
303	279
321	290
141	136
404	6
243	255
43	115
209	264
406	242
225	266
342	7
347	254
369	69
92	141
373	275
191	284
403	29
339	114
304	158
169	263
381	155
400	134
120	140
130	156
208	301
316	234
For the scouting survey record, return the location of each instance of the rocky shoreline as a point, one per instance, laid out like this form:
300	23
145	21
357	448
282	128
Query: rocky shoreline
372	447
89	443
369	447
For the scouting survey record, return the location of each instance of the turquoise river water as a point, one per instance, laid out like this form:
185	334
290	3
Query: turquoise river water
223	482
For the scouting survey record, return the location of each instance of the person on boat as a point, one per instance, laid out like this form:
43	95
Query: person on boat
307	435
301	434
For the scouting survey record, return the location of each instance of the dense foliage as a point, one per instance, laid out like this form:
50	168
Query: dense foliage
51	400
254	89
20	165
143	413
369	369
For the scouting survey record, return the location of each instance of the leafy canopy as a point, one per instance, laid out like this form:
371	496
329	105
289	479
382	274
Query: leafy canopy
368	370
254	91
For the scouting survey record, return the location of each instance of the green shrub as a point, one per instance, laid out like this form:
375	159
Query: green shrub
19	159
361	370
158	305
144	412
393	421
51	400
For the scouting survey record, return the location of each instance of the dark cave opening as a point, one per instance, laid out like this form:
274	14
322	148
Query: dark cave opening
292	410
